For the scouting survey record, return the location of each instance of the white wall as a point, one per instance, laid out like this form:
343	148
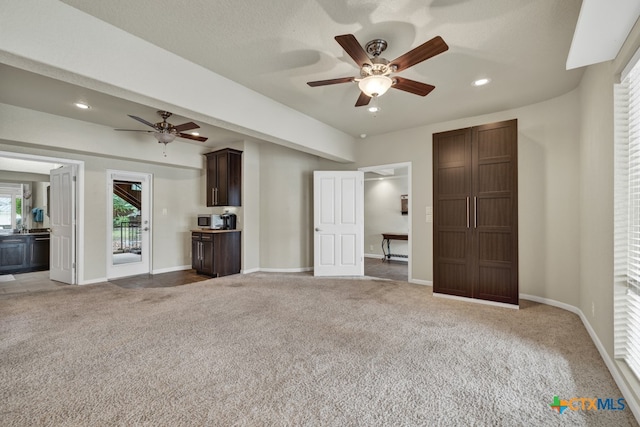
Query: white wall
251	201
39	200
286	208
382	213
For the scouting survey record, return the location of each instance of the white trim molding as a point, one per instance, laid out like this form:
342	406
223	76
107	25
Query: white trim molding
171	269
286	270
476	301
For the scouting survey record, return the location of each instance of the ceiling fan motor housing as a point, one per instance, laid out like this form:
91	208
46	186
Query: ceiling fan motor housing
378	67
376	47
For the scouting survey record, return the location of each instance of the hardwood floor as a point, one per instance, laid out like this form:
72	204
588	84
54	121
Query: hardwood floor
164	280
39	280
392	270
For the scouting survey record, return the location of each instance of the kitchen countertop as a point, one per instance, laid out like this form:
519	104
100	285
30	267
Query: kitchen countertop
35	233
208	230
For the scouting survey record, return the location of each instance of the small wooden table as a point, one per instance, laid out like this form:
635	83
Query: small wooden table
388	237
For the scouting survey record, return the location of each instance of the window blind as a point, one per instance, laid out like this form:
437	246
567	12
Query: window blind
627	220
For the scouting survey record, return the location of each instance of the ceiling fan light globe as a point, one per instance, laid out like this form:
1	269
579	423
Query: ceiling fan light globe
164	137
375	85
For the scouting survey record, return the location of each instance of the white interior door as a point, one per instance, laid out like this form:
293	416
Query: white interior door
128	224
338	217
62	222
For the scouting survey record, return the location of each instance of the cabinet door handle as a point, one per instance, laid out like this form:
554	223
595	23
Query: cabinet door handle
12	241
475	212
42	238
467	212
213	196
216	196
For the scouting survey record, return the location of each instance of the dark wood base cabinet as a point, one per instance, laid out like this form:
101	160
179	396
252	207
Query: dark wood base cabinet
22	253
216	254
475	196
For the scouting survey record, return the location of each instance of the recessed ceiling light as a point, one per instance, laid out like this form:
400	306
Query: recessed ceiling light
363	135
82	105
481	82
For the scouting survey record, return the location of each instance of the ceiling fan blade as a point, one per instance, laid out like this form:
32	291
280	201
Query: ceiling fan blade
331	81
186	126
412	86
421	53
135	130
363	99
195	138
355	50
142	121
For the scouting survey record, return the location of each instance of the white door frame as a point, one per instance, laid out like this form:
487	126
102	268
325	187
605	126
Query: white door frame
409	175
78	208
144	267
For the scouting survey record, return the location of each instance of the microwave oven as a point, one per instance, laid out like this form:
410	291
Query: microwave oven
212	221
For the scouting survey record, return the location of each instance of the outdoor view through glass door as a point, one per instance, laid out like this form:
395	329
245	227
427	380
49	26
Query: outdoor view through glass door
126	235
129	234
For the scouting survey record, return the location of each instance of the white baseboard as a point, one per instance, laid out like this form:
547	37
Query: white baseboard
421	282
286	270
608	361
249	271
477	301
171	269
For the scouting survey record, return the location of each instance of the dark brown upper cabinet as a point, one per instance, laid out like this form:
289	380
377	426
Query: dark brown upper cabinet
475	196
224	178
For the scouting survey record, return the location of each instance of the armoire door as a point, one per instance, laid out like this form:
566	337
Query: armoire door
476	212
452	247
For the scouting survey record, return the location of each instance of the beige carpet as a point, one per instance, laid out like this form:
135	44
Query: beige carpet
269	349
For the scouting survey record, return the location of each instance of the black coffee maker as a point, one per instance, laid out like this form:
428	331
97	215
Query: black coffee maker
229	221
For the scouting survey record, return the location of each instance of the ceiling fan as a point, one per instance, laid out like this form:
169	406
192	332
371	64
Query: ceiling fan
166	132
376	72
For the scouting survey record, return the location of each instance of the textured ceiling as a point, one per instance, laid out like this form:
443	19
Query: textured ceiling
274	48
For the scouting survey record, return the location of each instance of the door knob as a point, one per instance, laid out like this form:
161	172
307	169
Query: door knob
146	229
317	229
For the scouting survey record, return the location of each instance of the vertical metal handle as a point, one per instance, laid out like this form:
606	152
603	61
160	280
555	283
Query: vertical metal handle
217	192
475	212
467	212
213	196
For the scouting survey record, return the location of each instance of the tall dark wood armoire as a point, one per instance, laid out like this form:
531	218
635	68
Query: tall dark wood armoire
475	228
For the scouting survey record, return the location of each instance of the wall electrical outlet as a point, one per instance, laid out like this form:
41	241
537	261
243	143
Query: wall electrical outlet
370	247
